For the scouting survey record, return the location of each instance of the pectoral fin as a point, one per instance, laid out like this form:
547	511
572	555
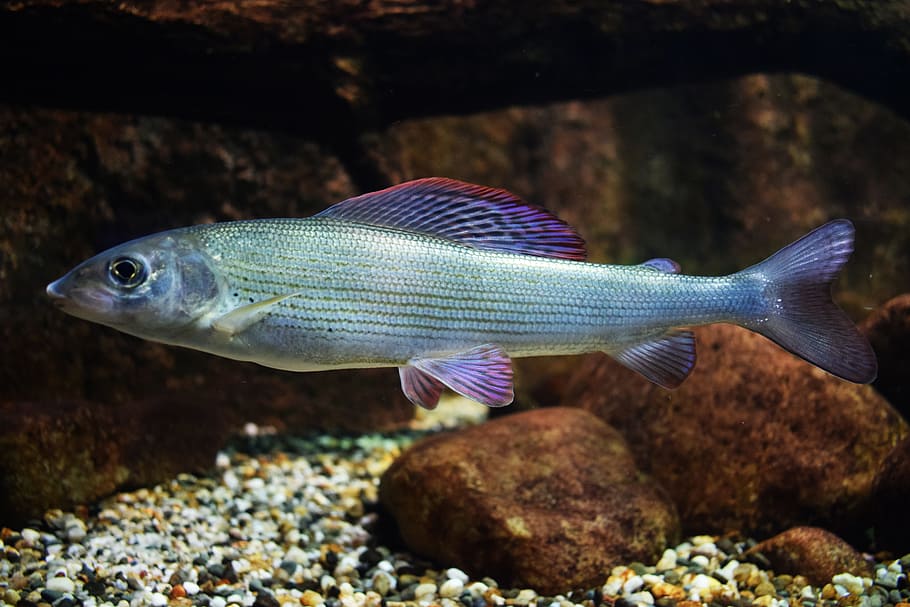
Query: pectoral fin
240	319
483	374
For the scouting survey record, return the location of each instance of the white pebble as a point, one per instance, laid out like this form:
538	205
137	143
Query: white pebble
424	592
217	601
157	600
30	535
632	584
75	530
705	581
191	588
477	589
451	588
640	598
60	584
850	582
326	582
525	597
667	561
453	573
701	560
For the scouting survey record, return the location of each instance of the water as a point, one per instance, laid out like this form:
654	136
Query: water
714	175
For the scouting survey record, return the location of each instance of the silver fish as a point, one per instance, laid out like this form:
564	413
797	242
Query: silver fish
448	281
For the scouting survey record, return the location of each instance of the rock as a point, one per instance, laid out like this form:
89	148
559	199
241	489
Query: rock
813	552
888	330
78	183
770	441
890	499
549	498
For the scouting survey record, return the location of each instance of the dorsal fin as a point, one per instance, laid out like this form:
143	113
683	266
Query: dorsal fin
474	215
663	264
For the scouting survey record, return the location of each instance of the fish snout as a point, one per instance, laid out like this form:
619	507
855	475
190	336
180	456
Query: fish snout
55	290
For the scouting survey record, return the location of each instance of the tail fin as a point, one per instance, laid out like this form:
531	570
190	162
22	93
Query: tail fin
801	316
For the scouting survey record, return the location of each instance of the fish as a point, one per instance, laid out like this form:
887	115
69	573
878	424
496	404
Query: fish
449	281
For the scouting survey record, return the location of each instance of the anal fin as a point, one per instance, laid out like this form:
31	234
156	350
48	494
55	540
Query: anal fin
666	360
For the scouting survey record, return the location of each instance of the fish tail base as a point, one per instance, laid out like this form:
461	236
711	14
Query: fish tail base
800	314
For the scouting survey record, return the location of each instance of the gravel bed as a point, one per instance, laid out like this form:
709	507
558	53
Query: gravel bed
294	522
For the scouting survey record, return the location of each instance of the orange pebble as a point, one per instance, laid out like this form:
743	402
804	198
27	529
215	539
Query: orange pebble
177	592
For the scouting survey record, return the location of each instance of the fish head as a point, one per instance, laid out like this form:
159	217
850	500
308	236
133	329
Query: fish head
153	287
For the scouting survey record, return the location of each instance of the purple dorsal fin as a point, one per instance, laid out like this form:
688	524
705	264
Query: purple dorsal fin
474	215
483	374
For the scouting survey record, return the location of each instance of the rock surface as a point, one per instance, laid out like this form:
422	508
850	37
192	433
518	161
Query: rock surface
813	552
888	330
69	453
772	441
548	498
891	500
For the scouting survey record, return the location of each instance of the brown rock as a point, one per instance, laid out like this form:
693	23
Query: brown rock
69	453
548	499
888	330
813	552
769	441
891	500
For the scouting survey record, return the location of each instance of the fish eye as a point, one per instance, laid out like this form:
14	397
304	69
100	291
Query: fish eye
126	271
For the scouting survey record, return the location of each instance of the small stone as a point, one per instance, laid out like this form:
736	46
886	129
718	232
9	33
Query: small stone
311	598
632	584
667	561
852	583
454	573
218	602
191	588
664	590
451	588
30	535
765	589
424	592
157	600
383	583
60	584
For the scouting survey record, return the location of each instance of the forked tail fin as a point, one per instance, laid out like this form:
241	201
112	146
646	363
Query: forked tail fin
800	314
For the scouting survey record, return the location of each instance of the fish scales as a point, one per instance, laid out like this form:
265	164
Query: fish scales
448	281
438	296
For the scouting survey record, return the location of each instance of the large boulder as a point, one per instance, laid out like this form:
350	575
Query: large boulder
888	330
549	499
891	500
756	440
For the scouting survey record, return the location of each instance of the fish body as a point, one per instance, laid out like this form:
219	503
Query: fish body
448	281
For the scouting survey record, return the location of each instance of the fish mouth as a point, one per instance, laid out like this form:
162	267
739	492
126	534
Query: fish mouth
56	293
90	304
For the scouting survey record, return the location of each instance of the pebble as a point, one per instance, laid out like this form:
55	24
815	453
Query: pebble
61	584
287	522
451	588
